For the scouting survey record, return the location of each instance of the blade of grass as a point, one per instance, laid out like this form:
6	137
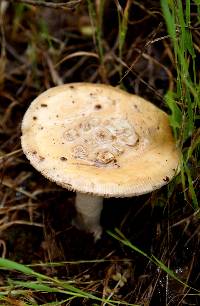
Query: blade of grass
96	22
122	28
11	265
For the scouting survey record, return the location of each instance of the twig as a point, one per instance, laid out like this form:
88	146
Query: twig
70	5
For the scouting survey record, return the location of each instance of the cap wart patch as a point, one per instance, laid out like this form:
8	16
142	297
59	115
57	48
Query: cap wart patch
101	141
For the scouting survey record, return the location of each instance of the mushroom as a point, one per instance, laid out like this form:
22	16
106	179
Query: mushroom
99	141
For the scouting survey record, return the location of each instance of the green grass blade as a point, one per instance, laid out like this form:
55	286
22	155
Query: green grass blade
11	265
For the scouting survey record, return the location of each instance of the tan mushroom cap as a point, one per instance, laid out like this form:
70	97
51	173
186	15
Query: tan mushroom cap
95	138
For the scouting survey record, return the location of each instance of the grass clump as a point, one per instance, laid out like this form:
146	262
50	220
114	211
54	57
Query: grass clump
184	103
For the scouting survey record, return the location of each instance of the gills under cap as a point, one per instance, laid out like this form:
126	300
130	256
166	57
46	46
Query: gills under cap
98	139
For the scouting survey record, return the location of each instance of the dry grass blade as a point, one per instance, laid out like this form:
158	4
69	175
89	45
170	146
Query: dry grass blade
6	225
77	54
11	154
57	80
3	247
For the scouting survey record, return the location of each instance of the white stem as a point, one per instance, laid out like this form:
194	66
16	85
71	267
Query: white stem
89	209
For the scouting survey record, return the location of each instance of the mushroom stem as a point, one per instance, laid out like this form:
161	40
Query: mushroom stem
89	209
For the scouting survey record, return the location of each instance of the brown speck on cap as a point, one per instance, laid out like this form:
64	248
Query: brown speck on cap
63	158
34	118
166	179
98	106
117	152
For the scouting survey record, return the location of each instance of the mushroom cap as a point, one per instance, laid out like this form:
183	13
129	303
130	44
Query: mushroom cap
98	139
